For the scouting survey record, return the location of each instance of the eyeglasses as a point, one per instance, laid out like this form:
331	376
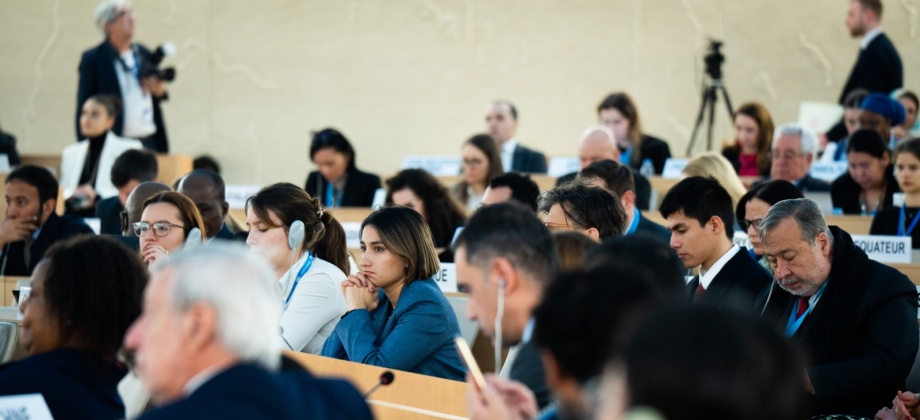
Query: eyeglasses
788	155
160	229
747	224
473	162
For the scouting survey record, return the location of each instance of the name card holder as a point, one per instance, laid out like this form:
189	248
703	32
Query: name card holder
25	406
885	249
435	165
352	234
446	277
237	195
828	171
563	165
674	168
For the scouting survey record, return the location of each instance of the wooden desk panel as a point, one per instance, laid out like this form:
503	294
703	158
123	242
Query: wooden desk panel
854	225
407	393
173	167
544	182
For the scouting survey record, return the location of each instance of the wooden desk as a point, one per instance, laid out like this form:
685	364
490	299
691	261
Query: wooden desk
173	167
50	162
854	225
662	185
544	182
9	284
409	396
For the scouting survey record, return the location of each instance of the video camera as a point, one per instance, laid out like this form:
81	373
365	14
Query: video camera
714	59
151	66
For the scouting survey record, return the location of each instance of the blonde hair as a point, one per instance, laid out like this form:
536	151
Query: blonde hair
713	164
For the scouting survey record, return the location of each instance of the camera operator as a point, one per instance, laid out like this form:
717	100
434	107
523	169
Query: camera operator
125	69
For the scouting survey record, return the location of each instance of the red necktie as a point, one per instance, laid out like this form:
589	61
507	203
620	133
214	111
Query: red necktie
699	293
803	306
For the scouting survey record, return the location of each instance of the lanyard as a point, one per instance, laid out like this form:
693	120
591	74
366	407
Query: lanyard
635	223
903	218
333	201
794	323
300	274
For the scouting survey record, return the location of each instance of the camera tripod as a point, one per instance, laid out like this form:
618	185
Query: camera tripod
710	96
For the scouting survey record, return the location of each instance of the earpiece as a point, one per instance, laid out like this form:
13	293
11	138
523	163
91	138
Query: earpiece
502	283
193	238
295	234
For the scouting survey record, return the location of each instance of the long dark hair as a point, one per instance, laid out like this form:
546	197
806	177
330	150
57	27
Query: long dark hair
442	213
324	234
486	144
332	139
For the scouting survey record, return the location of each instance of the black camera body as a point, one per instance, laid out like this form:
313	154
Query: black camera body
151	66
714	59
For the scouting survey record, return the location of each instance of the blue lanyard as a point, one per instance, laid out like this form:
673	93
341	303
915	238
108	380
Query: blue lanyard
903	218
635	222
329	199
300	274
794	323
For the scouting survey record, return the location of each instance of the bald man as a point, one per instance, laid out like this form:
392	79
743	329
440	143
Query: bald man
134	205
596	144
206	188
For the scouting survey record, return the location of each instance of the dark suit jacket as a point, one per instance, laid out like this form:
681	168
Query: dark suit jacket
655	149
861	336
528	160
652	228
108	211
416	336
845	192
247	391
877	69
55	229
359	188
74	384
97	76
643	188
736	286
528	369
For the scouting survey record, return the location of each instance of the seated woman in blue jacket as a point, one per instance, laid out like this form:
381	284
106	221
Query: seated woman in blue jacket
397	316
85	293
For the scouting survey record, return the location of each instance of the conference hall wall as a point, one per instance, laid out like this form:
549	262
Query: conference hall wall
413	76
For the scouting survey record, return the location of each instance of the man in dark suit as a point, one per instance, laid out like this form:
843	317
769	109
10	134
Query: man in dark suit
206	188
129	170
856	318
502	124
597	144
701	219
878	66
505	254
114	68
31	225
618	180
794	149
204	353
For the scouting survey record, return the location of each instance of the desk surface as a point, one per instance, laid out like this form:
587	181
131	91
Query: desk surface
409	396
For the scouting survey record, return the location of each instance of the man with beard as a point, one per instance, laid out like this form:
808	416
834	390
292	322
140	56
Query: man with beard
856	318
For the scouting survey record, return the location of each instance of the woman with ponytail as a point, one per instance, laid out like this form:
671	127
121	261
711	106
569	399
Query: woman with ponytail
310	274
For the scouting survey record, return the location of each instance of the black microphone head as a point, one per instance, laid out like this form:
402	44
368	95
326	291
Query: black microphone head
386	378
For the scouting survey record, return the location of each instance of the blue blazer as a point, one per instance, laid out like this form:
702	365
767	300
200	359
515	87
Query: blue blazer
75	385
417	336
247	391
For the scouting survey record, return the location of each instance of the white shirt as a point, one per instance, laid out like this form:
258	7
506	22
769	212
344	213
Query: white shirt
869	36
706	278
315	307
73	158
138	104
508	153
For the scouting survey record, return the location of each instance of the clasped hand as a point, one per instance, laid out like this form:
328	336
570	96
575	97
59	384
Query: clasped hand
359	292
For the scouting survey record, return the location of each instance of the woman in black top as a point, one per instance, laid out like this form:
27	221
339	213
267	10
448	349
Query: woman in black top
869	183
618	112
86	292
338	182
903	220
422	192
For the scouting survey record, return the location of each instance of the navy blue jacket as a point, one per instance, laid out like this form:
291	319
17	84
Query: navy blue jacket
108	210
878	69
74	384
417	336
526	159
54	229
247	391
360	188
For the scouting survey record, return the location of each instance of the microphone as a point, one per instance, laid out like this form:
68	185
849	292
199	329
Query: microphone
386	378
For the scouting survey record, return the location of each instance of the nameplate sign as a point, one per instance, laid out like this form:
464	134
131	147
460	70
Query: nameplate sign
435	165
236	195
674	168
827	171
563	165
352	234
886	249
25	406
742	239
446	277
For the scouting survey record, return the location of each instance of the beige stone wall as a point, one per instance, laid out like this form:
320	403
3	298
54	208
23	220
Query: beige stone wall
413	76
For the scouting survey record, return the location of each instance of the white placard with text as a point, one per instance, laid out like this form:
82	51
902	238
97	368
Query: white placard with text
742	239
446	277
827	171
25	406
435	165
885	249
563	165
237	195
352	234
674	168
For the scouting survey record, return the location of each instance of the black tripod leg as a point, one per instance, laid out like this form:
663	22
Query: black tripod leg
712	116
728	103
699	120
